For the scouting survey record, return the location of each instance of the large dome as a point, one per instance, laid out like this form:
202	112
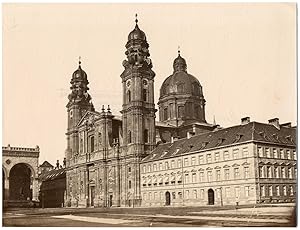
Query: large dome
180	82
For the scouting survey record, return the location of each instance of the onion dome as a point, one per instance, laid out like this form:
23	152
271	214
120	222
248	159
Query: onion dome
136	34
79	74
180	82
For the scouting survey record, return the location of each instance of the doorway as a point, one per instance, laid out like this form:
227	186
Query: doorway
110	200
92	196
168	199
211	197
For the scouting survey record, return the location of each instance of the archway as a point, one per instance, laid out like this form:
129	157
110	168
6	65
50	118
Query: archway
211	197
168	199
20	182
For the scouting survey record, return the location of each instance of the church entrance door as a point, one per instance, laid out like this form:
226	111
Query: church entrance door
110	200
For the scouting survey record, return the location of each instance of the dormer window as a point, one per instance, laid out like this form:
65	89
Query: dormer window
238	137
263	134
221	140
204	144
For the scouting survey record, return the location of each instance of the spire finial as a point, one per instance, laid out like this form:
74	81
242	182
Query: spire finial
79	60
178	51
136	20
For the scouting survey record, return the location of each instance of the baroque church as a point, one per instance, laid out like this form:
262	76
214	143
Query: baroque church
107	155
104	150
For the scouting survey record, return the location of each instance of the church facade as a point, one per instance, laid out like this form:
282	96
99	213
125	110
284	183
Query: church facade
106	154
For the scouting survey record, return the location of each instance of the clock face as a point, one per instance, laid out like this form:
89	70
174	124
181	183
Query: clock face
145	82
128	83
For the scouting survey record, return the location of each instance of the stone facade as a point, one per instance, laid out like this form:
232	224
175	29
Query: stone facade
14	160
106	154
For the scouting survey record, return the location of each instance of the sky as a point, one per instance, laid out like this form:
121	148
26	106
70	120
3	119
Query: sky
243	54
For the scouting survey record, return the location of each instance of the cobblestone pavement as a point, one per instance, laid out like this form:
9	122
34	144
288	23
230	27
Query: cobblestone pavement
281	215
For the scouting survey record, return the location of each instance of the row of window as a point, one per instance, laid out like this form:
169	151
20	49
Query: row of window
201	159
146	136
277	190
194	177
221	193
276	153
187	110
144	95
267	171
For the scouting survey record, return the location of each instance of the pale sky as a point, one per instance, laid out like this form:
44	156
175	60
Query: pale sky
244	55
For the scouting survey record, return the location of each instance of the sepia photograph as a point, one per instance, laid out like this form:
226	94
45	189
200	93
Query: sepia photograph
149	114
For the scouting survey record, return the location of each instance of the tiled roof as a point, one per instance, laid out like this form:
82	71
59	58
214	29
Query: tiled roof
236	134
53	174
46	164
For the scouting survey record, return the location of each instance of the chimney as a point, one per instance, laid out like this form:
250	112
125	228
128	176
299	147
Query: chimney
57	164
286	125
190	134
245	120
275	122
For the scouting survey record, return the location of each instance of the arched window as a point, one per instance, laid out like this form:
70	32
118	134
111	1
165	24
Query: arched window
129	96
144	94
129	184
166	113
180	111
197	111
92	144
195	89
146	136
129	136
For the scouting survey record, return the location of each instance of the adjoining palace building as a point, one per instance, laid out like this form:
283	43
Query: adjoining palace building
134	160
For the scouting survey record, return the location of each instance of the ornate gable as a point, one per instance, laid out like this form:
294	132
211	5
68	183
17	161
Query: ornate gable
88	118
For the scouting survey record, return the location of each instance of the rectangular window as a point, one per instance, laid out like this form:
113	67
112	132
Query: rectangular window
247	191
202	194
209	176
276	172
195	194
218	174
160	166
235	154
217	156
227	192
245	152
166	165
277	190
294	155
290	173
260	152
291	190
161	195
288	153
284	190
186	178
187	195
150	196
236	173
179	163
246	172
193	177
154	167
144	196
269	172
270	190
226	174
261	172
268	153
173	164
193	160
155	195
186	162
201	176
208	158
275	153
218	193
237	192
226	155
281	153
201	159
262	191
149	168
283	172
144	169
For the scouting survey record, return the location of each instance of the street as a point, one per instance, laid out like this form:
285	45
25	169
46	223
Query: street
275	215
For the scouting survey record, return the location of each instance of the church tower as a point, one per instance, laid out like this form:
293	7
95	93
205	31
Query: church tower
79	103
138	110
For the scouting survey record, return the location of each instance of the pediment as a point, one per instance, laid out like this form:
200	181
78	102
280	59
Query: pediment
88	118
